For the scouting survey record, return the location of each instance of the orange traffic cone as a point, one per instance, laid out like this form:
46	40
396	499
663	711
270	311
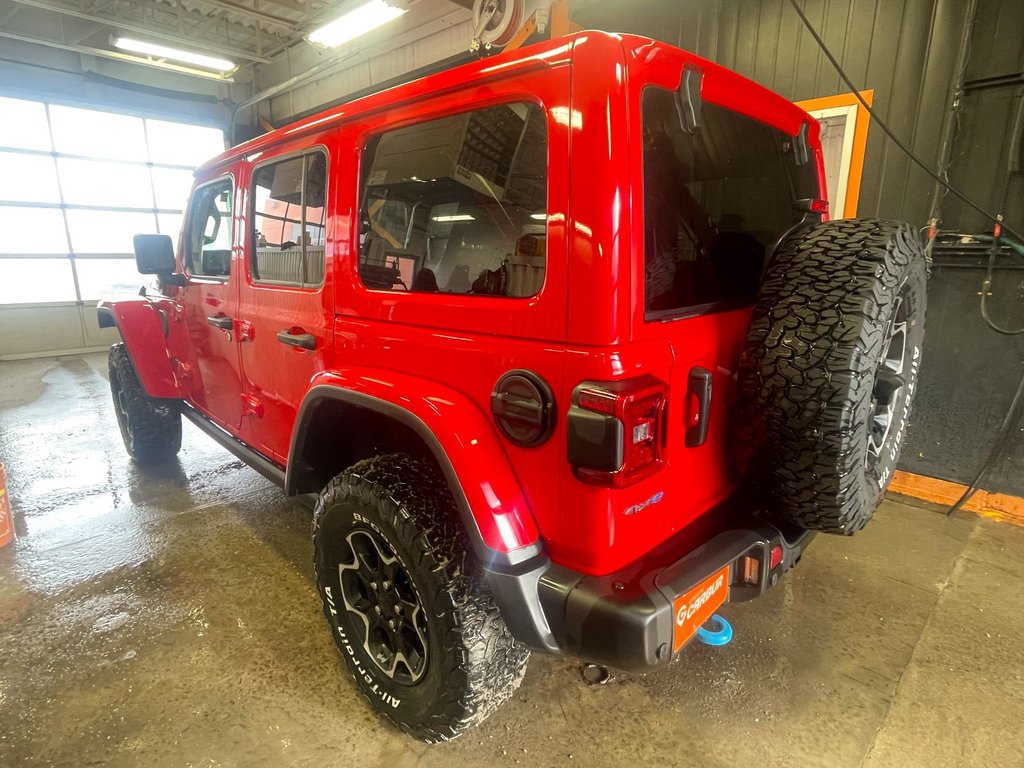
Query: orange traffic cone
6	521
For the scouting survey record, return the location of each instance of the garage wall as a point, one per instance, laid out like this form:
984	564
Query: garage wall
991	124
51	329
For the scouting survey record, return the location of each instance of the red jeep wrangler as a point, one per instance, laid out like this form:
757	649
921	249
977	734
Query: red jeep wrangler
562	338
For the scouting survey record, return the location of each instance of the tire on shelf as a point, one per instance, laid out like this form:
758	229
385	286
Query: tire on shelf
150	427
829	371
407	603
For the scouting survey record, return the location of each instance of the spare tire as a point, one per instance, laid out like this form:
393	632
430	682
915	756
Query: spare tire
829	371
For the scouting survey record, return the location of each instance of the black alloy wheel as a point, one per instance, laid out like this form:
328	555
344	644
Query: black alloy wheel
377	590
408	604
891	379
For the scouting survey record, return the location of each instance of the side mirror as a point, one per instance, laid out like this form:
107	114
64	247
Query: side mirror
154	255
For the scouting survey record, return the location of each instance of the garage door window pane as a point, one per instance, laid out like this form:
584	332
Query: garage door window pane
180	144
28	178
90	182
98	278
97	134
107	231
33	281
170	224
23	125
32	230
172	188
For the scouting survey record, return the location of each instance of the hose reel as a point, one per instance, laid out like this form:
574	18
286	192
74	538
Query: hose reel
495	22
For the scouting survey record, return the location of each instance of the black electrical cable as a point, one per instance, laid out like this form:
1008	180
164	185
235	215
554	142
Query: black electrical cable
1013	414
986	287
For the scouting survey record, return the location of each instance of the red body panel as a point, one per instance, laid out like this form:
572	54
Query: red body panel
439	355
211	354
142	330
496	496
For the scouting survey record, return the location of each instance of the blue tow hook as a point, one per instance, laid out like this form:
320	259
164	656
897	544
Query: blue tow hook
710	634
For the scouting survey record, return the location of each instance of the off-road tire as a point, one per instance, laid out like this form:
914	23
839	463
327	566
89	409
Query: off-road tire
150	427
813	389
472	663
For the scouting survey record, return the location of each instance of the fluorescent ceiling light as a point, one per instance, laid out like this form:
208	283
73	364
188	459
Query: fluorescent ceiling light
163	52
456	217
355	23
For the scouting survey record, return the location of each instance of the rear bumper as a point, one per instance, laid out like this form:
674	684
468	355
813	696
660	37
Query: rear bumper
626	619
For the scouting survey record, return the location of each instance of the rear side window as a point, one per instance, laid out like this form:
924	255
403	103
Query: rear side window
288	222
457	205
208	240
714	202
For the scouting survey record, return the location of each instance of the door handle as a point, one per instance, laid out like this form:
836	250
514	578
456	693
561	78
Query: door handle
698	388
301	340
222	322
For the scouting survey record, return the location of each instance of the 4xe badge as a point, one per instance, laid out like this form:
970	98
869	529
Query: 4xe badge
637	508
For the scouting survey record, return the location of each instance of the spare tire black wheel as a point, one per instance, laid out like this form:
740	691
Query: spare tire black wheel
408	604
829	371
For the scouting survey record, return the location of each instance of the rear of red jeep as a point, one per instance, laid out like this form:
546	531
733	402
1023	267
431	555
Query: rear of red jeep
645	540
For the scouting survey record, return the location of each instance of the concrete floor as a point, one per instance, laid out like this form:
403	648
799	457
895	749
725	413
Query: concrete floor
171	619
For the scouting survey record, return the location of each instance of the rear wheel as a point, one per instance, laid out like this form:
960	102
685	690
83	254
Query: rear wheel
829	371
410	611
150	427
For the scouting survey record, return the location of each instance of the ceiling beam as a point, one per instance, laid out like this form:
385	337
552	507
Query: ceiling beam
149	31
266	18
9	15
291	5
117	56
89	32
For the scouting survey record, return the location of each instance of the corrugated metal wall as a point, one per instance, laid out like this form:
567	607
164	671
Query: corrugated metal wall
905	51
991	121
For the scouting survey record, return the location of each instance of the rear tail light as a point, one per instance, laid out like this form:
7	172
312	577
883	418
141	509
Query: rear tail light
616	430
775	558
813	204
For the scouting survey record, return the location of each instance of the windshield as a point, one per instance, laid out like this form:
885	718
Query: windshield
714	202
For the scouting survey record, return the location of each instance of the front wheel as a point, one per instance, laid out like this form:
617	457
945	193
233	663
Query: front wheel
408	607
150	428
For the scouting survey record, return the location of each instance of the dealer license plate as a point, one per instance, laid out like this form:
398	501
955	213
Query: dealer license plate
696	606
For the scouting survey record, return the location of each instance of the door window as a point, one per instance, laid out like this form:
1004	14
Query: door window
208	245
457	205
287	240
